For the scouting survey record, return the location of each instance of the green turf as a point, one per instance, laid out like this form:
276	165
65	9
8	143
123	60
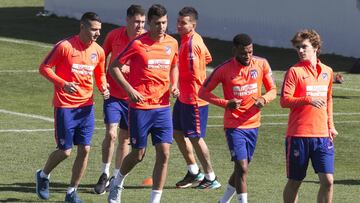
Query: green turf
27	92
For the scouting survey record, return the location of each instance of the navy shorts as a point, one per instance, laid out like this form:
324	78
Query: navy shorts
300	150
116	111
74	126
242	143
156	122
190	119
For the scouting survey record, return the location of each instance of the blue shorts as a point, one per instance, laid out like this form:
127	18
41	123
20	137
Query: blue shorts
190	119
154	121
299	150
116	111
242	143
74	126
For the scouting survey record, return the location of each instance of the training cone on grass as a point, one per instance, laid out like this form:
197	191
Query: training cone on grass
147	182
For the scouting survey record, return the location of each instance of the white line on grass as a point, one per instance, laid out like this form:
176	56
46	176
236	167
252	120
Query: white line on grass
44	118
19	71
27	42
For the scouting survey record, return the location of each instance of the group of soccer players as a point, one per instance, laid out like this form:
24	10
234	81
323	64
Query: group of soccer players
145	68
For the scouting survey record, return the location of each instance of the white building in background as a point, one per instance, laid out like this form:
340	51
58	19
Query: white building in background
269	22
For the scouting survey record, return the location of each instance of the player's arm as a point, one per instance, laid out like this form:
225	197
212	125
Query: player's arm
174	73
332	131
206	89
270	87
115	71
52	59
287	99
100	78
174	80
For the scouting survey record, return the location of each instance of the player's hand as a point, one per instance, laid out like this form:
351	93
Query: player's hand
106	94
259	102
333	133
71	87
234	103
135	96
318	103
175	92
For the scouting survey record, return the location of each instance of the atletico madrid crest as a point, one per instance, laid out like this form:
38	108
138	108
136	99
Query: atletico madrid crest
253	74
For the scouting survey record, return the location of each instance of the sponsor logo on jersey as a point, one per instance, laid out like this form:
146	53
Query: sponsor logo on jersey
82	69
245	90
316	90
159	63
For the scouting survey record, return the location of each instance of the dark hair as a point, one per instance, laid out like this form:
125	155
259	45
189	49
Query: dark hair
156	10
134	10
89	16
242	40
309	34
189	11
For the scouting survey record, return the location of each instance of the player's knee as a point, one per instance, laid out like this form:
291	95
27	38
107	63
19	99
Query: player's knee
66	153
241	168
111	135
327	182
163	156
139	154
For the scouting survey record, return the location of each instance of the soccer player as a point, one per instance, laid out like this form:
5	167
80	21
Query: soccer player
241	77
76	59
116	107
153	66
307	92
190	112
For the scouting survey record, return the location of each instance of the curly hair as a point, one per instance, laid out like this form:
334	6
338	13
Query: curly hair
309	34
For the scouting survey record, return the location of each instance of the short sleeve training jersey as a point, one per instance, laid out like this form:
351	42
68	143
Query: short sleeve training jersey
150	63
193	57
115	42
242	83
302	84
74	62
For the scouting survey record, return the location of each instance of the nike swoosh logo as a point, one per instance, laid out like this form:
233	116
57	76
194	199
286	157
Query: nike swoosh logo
303	77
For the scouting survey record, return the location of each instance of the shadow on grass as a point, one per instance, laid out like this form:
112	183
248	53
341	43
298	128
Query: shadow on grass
58	187
22	23
348	182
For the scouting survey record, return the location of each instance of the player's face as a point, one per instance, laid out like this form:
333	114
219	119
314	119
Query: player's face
158	26
185	25
305	50
91	31
135	24
243	54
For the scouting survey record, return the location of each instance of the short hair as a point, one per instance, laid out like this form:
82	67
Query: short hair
309	34
89	16
189	11
134	10
242	40
156	10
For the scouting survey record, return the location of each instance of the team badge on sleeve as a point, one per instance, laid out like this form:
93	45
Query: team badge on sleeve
168	50
253	74
325	76
93	57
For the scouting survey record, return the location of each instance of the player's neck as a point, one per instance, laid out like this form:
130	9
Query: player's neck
85	41
157	37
